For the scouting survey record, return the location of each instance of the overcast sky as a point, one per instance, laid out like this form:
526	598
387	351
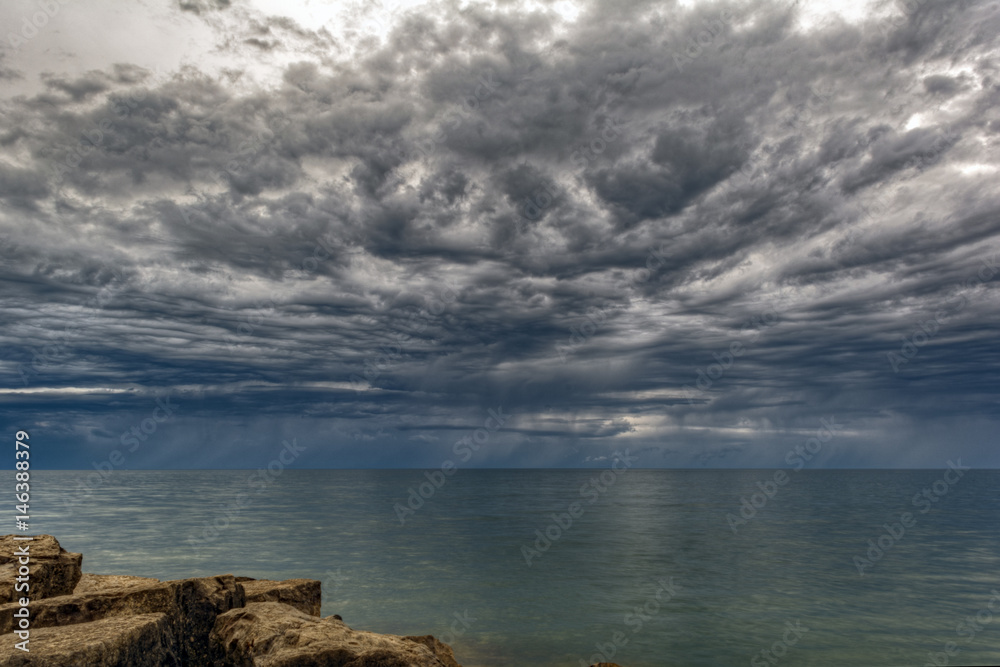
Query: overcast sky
689	229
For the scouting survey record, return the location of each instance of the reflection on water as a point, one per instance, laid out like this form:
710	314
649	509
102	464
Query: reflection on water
595	587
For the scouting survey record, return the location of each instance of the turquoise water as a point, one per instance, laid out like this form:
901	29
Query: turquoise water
460	553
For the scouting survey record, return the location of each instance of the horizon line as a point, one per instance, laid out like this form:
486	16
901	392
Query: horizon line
480	468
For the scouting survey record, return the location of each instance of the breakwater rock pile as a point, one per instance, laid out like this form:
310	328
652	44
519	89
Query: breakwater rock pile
94	620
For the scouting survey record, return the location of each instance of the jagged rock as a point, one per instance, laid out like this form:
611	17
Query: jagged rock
145	640
190	605
92	583
441	650
123	621
303	594
272	634
53	570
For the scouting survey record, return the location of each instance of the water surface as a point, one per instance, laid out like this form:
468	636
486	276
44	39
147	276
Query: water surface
461	553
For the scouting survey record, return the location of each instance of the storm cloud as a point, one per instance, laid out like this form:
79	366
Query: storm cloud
689	229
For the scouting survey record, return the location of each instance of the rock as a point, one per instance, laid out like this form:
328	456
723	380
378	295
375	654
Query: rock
91	583
190	606
53	570
303	594
121	641
272	634
101	620
441	650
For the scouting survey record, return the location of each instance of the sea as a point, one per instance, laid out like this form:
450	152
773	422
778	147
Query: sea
566	568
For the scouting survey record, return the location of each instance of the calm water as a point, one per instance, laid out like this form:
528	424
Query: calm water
461	554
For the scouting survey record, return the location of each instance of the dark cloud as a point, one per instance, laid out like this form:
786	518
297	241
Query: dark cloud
6	72
939	84
655	227
81	88
199	6
21	185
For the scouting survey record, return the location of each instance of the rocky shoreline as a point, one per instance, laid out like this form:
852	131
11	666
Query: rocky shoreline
95	620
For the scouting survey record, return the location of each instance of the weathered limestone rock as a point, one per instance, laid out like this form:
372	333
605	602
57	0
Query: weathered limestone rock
92	583
121	641
53	570
271	634
437	647
96	620
303	594
190	606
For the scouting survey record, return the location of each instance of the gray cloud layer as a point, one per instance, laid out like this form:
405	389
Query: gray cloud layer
495	208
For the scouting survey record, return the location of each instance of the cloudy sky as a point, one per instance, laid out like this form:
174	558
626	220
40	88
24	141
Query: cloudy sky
690	229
